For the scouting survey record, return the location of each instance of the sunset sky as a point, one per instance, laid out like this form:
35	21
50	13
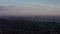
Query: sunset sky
29	7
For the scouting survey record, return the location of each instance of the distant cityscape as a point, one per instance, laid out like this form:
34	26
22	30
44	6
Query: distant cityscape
30	24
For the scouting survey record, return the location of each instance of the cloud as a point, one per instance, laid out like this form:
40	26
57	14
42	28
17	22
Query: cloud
32	9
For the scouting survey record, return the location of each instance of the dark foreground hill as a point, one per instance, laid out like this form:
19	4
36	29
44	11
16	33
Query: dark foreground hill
21	25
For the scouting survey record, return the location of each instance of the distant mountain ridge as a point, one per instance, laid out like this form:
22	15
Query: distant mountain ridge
35	18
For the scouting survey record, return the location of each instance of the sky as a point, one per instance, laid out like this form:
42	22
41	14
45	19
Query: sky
29	7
